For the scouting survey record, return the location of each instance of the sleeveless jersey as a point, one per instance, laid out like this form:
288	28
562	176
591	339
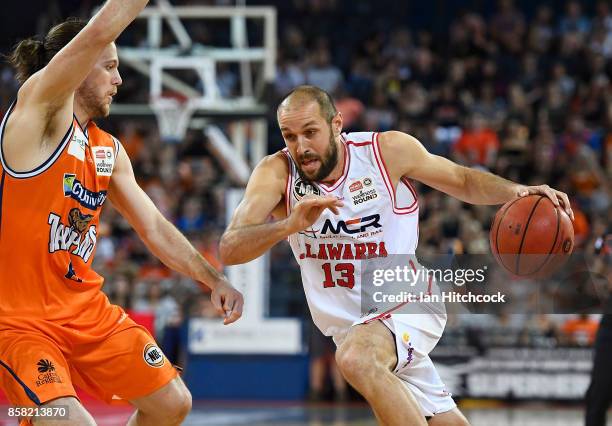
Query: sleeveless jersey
49	229
377	220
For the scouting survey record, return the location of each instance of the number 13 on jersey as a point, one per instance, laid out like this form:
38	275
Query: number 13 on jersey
343	272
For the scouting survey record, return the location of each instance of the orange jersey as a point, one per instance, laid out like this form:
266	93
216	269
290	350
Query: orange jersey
49	230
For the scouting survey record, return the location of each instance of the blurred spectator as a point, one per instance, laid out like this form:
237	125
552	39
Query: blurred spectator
288	76
322	73
580	330
379	115
447	112
120	290
478	144
540	331
541	31
489	106
574	20
350	107
508	25
192	219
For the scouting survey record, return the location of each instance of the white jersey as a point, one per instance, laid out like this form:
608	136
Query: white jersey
376	220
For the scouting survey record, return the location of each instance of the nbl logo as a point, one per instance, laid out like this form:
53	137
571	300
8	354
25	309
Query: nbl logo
153	355
301	188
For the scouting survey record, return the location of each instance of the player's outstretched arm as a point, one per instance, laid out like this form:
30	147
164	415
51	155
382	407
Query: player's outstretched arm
406	156
248	236
55	83
166	242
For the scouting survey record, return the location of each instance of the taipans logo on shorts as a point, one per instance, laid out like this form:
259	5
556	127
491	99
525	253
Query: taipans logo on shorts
153	355
47	373
302	188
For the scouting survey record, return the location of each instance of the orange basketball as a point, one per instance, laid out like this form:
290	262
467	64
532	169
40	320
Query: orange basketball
530	237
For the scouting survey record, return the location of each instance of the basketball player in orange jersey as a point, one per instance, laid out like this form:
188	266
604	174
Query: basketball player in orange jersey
57	168
340	198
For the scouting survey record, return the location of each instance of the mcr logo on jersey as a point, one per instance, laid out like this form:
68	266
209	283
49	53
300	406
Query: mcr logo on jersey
363	223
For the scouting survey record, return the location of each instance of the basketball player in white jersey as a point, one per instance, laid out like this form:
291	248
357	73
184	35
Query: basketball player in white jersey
340	198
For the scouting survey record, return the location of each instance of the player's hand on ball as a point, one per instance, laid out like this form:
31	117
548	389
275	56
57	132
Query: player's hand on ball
227	301
558	198
308	209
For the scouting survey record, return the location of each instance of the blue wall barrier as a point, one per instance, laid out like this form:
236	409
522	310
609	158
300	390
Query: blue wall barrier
254	377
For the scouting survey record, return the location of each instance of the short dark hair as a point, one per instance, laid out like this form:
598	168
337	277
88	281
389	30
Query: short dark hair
33	54
306	93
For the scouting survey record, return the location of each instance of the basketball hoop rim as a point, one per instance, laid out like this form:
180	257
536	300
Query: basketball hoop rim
173	116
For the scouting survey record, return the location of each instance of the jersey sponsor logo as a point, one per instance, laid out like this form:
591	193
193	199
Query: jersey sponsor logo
77	145
366	192
74	188
344	251
104	160
153	355
45	365
301	188
355	186
77	237
360	183
351	226
409	357
47	373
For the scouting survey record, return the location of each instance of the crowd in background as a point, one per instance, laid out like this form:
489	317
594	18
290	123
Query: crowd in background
527	96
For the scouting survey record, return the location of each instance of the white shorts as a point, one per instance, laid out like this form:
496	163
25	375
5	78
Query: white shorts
414	367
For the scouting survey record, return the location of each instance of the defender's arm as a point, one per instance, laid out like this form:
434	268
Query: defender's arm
55	83
165	241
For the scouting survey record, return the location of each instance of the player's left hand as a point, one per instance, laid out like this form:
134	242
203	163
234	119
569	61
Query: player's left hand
558	198
227	301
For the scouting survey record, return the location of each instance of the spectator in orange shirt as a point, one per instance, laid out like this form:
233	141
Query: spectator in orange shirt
477	145
581	330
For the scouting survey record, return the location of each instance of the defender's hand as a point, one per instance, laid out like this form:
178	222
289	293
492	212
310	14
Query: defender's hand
308	209
227	301
558	198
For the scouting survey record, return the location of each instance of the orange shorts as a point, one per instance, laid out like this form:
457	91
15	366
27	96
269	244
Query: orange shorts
44	363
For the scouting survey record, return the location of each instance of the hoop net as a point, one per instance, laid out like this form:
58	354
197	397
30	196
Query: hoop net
173	116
